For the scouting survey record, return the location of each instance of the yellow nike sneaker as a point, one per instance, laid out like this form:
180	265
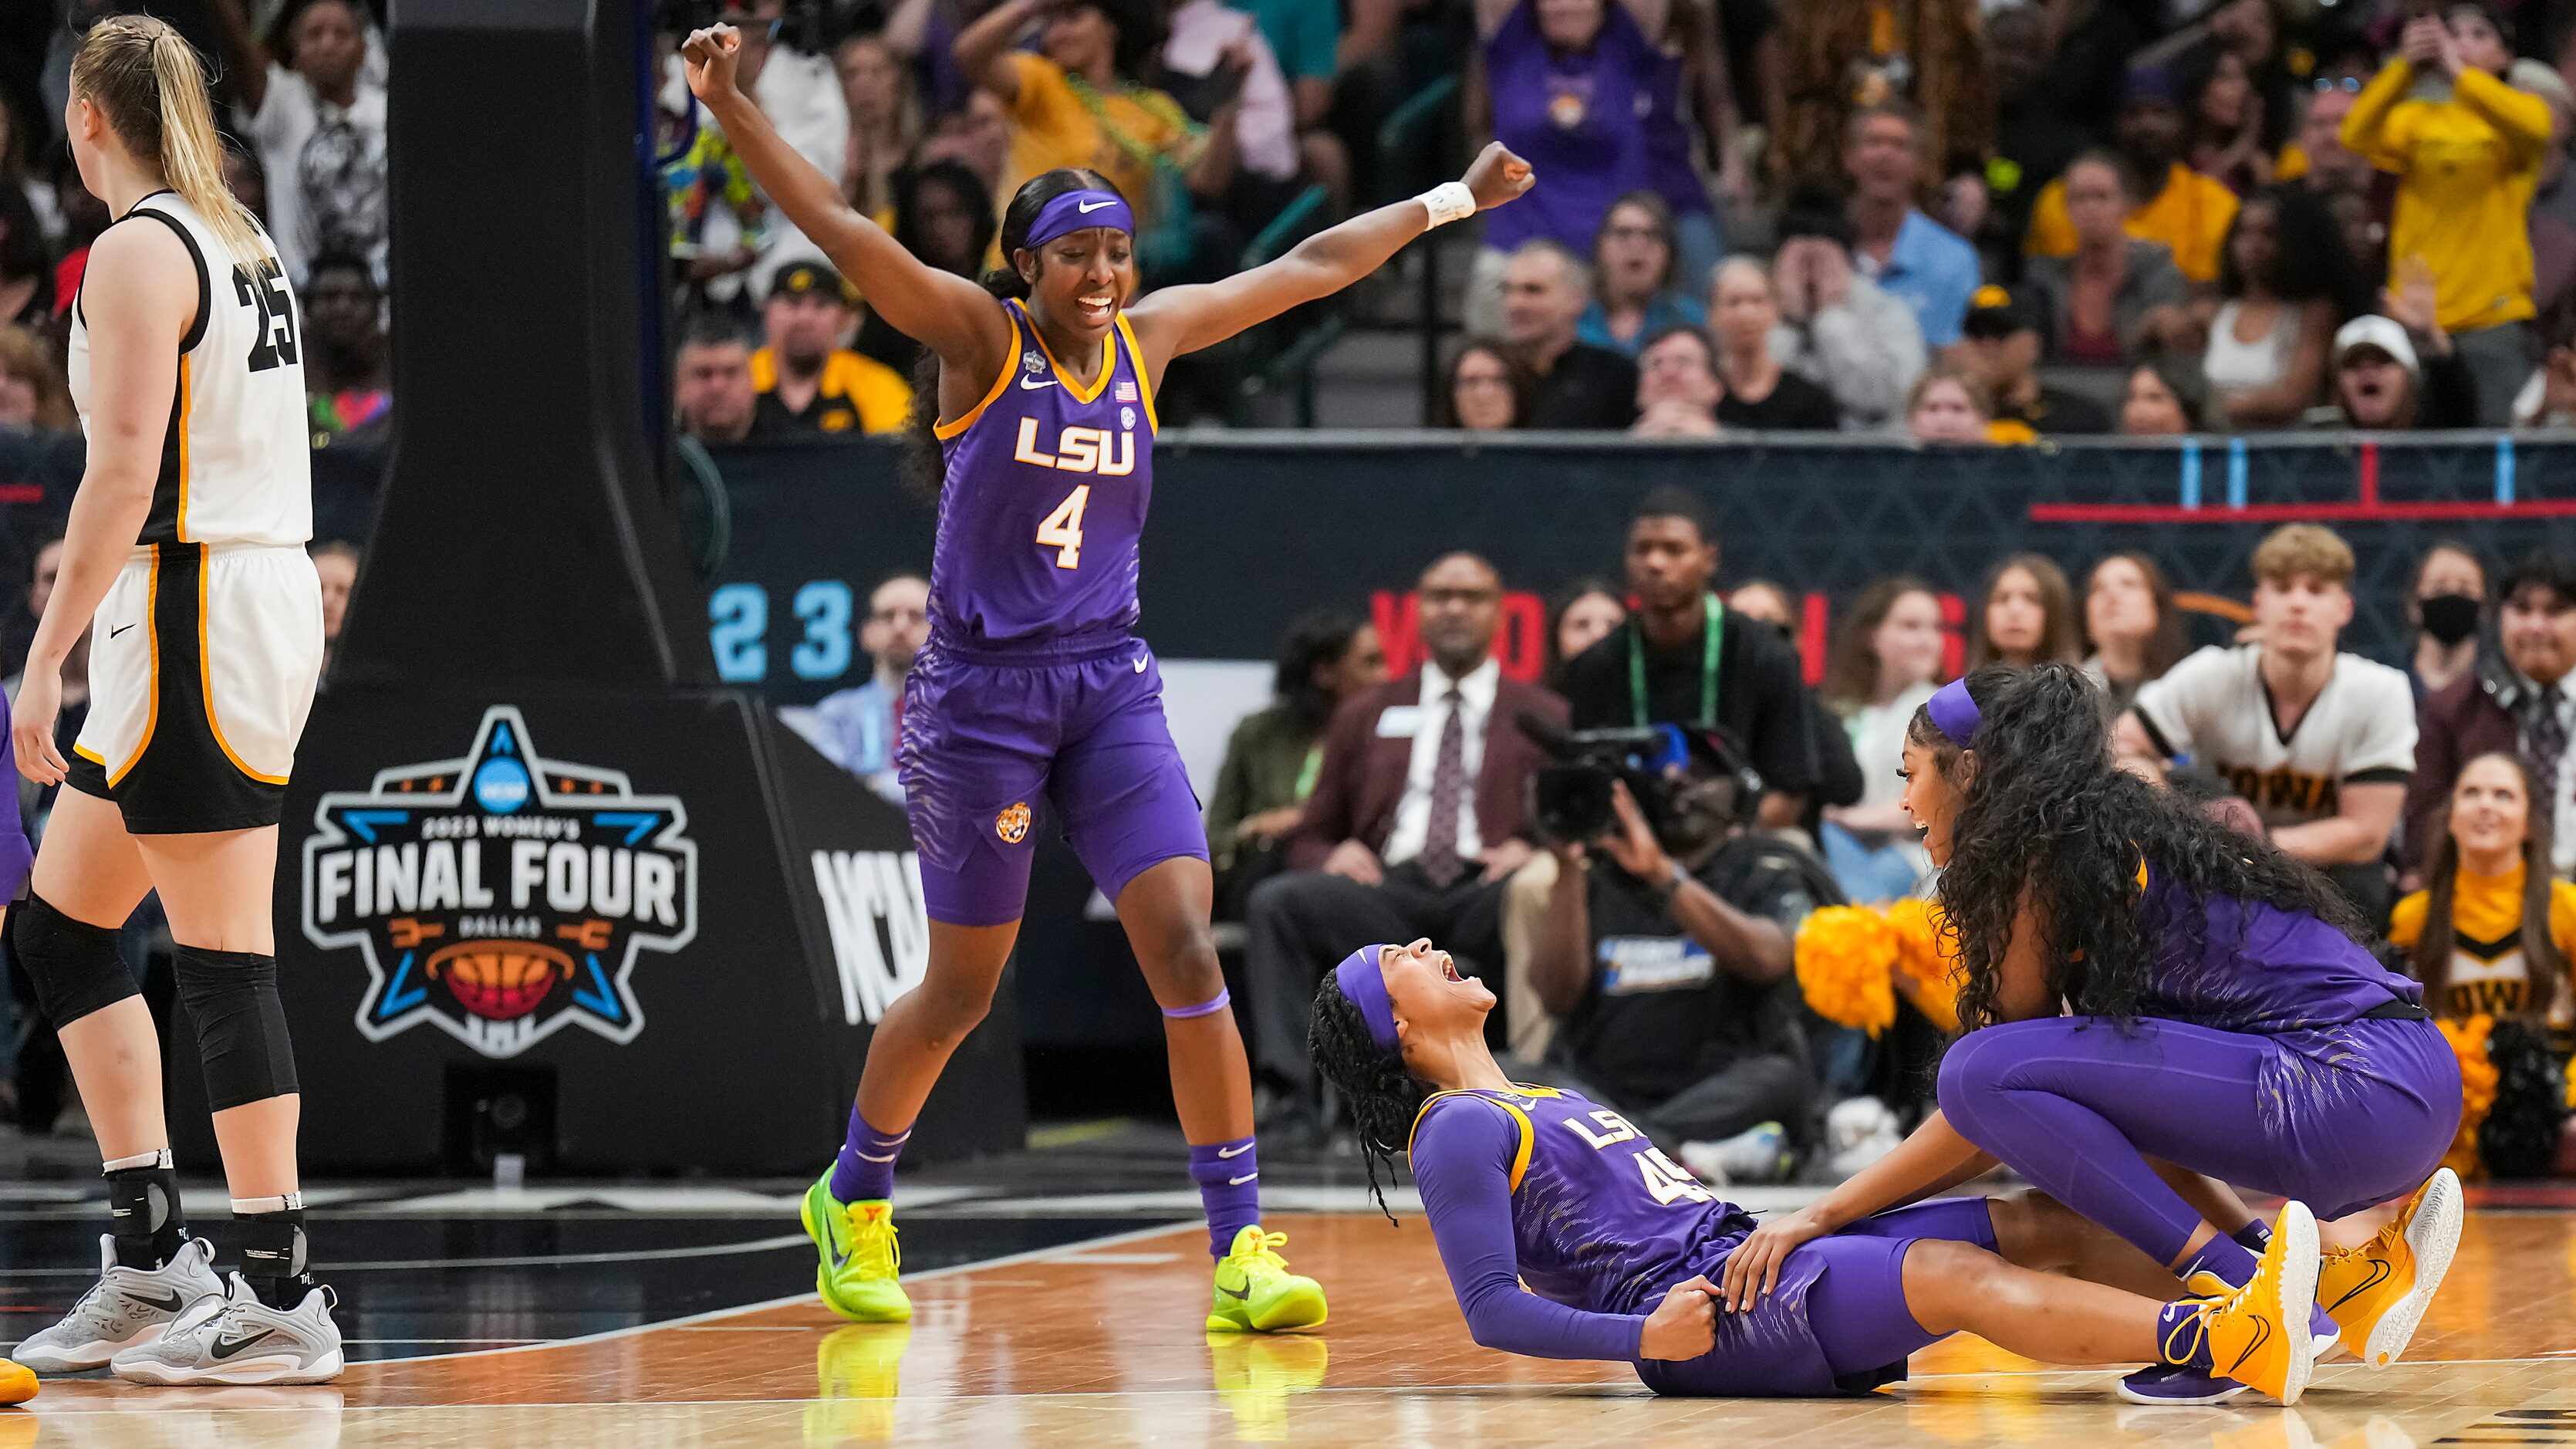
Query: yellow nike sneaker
2259	1335
1255	1292
17	1382
2377	1293
859	1258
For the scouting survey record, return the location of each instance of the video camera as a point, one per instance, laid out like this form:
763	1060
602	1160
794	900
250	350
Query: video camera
1570	797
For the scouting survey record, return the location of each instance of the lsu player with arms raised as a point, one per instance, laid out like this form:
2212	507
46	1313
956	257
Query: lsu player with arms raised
1566	1234
185	560
1033	688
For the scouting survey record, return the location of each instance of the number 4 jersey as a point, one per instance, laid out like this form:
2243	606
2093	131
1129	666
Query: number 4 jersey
236	463
1044	498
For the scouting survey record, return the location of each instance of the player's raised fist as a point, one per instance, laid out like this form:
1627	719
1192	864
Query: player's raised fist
1498	176
711	55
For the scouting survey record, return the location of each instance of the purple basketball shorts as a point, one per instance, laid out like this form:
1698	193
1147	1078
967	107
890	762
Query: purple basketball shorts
994	738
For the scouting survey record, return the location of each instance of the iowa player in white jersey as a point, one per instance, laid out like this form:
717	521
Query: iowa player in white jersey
184	559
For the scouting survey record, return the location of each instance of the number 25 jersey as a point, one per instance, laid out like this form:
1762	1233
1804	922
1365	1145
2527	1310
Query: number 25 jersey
1043	499
236	463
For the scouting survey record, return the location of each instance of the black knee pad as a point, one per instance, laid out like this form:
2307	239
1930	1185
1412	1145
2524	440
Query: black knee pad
73	965
241	1026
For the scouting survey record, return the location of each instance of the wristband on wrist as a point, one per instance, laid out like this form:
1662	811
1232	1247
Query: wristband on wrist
1447	202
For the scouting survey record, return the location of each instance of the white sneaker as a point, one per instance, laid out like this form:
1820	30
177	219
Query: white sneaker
1858	1132
126	1308
1754	1155
237	1339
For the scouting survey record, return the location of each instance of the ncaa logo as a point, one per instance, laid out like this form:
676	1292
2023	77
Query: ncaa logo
1012	825
1126	417
501	896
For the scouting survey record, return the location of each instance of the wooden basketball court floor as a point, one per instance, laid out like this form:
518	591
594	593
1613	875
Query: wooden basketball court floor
1096	1339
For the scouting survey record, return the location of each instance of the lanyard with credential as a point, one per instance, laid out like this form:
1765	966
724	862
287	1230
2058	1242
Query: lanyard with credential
1710	637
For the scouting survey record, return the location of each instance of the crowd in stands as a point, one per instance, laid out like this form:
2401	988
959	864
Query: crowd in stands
2200	208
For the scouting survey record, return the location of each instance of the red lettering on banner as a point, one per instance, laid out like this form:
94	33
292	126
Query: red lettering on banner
1520	643
1398	619
1814	616
1954	644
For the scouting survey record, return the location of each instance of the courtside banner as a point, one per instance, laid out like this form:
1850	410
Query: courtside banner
664	910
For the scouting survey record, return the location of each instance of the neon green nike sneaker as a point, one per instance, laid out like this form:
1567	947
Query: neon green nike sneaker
859	1255
1255	1292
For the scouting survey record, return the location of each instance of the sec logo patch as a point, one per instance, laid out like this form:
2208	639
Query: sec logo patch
1013	823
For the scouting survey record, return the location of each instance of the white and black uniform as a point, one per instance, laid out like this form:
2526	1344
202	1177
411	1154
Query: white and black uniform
2215	708
205	652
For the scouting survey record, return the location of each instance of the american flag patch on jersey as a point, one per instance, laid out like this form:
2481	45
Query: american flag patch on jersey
1125	391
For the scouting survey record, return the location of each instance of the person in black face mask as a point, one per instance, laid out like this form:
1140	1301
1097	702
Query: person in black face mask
2448	606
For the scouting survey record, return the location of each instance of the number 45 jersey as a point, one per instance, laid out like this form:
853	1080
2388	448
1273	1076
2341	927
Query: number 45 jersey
1044	498
1601	1219
236	462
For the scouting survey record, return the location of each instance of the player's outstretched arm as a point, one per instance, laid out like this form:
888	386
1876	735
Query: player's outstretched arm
946	313
1184	319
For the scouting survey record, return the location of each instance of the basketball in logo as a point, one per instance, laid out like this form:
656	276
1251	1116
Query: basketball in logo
1013	823
499	980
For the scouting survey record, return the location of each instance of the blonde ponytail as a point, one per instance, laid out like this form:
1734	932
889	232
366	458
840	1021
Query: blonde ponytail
147	80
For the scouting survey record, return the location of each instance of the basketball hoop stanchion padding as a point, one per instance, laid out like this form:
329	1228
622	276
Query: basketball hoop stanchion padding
545	885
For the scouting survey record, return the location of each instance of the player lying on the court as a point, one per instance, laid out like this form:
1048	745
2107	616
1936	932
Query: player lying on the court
1033	689
2145	985
1621	1248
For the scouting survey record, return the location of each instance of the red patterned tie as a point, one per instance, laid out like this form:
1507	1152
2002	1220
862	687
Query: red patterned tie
1448	777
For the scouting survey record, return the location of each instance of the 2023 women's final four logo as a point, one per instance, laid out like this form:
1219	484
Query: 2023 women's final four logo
500	896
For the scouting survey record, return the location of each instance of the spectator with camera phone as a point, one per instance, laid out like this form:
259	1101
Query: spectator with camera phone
1665	951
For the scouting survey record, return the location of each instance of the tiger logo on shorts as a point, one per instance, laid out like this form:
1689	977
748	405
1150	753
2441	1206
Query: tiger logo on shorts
1013	823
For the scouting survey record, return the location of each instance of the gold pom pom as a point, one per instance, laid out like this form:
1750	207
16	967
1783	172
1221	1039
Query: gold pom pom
1845	958
2468	1041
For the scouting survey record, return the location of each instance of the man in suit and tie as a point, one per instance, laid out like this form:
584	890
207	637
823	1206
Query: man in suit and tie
1417	820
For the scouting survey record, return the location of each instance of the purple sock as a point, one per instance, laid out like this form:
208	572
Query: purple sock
2181	1339
865	1169
1229	1179
2254	1235
2223	1256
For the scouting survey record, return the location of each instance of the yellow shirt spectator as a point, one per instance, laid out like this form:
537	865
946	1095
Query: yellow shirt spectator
1060	120
2489	972
2465	168
856	392
2190	216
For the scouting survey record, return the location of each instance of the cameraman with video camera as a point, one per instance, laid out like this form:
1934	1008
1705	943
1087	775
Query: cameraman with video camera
1665	948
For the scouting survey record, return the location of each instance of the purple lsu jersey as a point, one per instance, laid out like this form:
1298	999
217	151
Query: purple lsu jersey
1602	1220
2255	967
1044	498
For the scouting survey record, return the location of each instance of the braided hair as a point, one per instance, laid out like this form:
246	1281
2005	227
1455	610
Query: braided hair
2045	815
924	469
1382	1096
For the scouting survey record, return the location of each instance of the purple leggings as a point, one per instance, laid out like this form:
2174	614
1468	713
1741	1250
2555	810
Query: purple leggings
2341	1118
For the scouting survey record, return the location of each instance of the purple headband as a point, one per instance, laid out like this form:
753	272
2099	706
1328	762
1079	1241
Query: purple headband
1953	711
1361	982
1076	210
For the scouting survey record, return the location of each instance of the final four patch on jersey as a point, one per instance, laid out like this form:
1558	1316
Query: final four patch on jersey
1012	825
1031	362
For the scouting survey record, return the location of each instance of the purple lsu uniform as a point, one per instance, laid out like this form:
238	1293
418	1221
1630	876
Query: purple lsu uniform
17	858
1033	688
1599	1225
2269	1050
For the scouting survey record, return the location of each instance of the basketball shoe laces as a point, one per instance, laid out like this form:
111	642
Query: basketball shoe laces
873	1249
1265	1250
